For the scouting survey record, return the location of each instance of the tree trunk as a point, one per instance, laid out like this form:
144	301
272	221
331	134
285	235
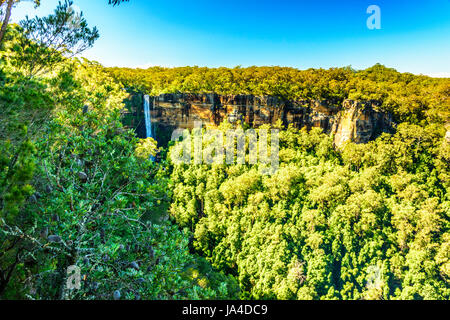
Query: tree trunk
6	20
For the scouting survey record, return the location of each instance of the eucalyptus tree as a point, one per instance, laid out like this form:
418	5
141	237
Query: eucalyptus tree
45	42
7	6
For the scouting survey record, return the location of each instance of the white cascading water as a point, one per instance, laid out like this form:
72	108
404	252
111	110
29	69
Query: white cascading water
148	119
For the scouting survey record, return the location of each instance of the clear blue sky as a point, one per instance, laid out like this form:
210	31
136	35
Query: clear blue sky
414	35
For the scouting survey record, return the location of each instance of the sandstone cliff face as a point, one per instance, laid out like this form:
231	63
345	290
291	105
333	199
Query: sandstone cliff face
353	120
360	122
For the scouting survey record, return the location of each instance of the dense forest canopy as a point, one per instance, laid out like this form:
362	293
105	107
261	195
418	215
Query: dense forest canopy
369	222
413	98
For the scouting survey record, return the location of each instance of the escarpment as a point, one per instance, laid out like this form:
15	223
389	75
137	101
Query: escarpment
357	121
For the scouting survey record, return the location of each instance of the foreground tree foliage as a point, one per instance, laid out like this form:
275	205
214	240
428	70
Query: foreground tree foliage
371	222
116	2
76	190
48	41
38	45
6	7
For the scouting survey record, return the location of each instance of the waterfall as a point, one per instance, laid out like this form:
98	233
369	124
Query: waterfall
148	117
148	120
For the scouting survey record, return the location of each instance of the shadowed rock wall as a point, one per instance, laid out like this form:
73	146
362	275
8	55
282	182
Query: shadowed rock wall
358	121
